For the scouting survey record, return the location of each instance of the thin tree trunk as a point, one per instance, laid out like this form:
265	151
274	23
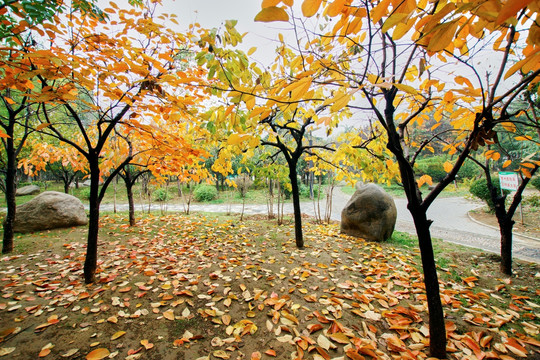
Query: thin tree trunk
90	263
437	329
11	174
296	206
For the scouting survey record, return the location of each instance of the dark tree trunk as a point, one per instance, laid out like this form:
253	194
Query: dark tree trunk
437	329
67	182
11	175
506	226
296	206
90	263
131	204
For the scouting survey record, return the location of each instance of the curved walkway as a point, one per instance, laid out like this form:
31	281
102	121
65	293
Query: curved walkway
450	221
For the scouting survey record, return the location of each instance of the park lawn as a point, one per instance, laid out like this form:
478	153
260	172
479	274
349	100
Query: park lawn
207	286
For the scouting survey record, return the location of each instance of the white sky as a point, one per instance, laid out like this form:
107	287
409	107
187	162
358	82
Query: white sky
213	14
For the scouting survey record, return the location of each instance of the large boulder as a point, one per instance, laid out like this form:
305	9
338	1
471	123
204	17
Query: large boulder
27	190
370	214
50	210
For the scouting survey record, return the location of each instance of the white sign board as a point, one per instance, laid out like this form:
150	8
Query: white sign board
509	180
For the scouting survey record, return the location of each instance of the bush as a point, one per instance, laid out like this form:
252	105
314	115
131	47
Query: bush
433	166
536	182
161	195
469	170
480	189
205	193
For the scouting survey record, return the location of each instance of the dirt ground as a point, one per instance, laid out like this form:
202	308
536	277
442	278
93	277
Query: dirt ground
211	287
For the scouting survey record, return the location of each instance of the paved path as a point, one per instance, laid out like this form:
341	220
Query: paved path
450	221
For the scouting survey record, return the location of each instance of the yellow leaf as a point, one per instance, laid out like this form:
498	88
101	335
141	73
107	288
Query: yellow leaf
335	8
507	163
406	88
379	10
98	354
393	20
310	7
252	50
272	13
448	166
443	34
268	3
118	334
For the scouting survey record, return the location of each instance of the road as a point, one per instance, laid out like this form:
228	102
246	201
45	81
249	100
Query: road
450	221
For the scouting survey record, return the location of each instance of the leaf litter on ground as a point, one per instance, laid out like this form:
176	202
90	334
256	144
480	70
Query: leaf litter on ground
214	288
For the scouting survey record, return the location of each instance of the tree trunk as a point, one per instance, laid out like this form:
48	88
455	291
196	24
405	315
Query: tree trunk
296	206
131	203
90	263
11	174
505	226
437	329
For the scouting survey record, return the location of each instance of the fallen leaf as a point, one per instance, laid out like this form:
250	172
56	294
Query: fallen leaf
98	354
147	345
118	334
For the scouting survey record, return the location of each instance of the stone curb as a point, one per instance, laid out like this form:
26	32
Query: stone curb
496	228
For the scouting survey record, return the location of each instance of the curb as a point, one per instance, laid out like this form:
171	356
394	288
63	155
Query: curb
496	228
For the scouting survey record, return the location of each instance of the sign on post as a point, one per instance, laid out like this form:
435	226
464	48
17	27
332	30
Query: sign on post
509	180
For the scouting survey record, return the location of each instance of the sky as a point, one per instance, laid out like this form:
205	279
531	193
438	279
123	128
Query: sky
213	13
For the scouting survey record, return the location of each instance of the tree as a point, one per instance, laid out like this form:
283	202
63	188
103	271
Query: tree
16	114
103	75
60	159
367	46
524	132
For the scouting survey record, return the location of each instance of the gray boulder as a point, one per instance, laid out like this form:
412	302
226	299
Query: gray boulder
370	214
50	210
28	190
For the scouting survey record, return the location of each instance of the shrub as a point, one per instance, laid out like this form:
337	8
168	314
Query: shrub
303	189
468	170
480	189
536	182
533	201
161	195
205	192
243	183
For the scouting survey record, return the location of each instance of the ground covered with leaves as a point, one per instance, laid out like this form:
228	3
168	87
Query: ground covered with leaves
210	287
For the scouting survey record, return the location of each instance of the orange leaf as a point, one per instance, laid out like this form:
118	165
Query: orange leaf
506	163
147	344
310	7
256	355
272	13
42	126
169	315
4	135
511	8
270	352
44	352
98	354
